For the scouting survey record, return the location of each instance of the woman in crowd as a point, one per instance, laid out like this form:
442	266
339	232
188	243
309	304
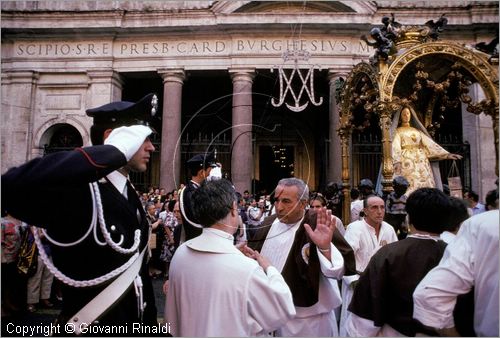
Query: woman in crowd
318	201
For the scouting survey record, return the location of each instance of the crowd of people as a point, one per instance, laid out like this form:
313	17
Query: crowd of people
409	263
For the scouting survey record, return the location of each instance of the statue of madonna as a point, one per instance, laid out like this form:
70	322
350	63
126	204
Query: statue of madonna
412	151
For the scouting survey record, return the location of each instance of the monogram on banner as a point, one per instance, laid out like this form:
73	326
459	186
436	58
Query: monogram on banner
298	74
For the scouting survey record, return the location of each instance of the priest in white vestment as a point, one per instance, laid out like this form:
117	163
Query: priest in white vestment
214	289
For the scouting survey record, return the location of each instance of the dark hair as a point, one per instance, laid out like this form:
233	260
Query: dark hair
400	180
491	199
354	193
428	209
193	171
473	195
97	134
365	183
319	197
365	187
171	204
365	200
97	130
457	215
213	201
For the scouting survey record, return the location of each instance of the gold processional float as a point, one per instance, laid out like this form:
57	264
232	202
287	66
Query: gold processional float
412	67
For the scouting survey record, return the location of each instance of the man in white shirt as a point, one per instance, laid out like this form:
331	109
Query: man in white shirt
473	199
214	289
254	214
365	237
299	244
471	260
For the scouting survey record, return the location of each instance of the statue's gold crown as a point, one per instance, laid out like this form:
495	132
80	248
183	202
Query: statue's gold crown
412	35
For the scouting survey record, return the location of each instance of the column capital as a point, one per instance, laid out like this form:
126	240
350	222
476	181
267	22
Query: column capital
172	75
334	74
242	74
11	77
105	76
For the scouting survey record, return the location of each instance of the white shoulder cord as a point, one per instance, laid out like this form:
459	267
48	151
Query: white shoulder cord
105	232
96	205
183	211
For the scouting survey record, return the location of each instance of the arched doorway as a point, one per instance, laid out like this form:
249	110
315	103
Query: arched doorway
59	137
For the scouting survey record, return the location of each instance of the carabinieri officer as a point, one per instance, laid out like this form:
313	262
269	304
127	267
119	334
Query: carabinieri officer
93	217
200	167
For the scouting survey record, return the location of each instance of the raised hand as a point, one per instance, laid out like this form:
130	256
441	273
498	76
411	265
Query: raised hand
128	139
323	233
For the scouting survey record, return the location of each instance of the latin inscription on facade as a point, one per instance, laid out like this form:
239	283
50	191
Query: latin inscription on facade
188	48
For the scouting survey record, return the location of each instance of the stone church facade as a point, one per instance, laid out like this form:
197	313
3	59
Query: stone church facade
214	67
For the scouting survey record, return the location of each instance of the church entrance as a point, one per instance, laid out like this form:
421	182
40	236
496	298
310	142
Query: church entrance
275	162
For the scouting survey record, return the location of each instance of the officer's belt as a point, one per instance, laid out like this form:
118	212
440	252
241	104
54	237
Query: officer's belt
107	297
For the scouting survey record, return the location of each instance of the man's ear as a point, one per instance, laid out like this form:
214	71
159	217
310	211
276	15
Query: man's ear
234	209
303	203
106	133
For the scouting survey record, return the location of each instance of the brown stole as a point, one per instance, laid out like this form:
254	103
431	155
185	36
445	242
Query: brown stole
303	278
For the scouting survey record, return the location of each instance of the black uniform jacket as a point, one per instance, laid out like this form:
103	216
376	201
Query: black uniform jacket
303	278
53	192
187	197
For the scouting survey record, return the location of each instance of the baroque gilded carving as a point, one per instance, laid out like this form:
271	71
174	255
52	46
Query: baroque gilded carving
471	60
376	89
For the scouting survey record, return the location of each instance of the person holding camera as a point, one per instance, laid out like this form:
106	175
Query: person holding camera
254	215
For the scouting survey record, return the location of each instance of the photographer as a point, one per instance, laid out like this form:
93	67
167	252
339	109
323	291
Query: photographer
254	214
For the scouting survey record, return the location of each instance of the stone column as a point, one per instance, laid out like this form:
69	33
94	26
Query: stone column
479	133
105	86
334	150
17	119
170	157
241	145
